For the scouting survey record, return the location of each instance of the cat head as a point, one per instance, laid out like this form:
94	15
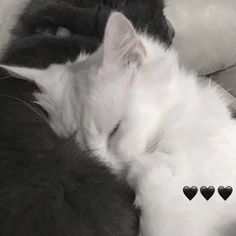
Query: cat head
90	95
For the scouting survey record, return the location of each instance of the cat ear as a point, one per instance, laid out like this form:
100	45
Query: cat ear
25	73
121	43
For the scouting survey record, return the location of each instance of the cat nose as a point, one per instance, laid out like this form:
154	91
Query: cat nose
171	30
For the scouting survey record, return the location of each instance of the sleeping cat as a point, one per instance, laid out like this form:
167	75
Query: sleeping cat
48	185
148	118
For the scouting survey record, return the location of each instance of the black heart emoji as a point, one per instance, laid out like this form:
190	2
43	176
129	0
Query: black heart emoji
190	193
207	193
225	192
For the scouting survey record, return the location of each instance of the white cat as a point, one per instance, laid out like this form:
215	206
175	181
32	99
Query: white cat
140	112
89	96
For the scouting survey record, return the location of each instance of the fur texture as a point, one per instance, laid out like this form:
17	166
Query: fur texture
205	33
35	36
173	128
49	186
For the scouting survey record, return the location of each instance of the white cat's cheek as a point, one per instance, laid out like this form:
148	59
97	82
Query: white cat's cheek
128	143
149	171
129	148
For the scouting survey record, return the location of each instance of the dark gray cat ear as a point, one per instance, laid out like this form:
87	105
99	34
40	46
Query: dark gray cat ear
25	73
121	43
22	72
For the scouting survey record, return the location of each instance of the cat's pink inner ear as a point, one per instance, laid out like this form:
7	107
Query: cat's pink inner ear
121	43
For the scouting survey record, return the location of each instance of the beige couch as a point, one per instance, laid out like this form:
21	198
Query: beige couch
206	38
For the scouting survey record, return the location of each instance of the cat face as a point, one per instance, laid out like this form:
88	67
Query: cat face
107	91
90	96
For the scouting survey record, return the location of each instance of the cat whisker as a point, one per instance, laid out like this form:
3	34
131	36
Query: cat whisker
224	91
5	77
152	147
31	107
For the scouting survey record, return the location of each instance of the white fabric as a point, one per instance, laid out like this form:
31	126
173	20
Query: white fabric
9	12
206	37
205	33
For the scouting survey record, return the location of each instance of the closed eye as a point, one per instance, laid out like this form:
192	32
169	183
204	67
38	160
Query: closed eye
114	131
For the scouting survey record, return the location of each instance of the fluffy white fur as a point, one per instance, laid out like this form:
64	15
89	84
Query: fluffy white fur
205	33
89	97
174	128
9	13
